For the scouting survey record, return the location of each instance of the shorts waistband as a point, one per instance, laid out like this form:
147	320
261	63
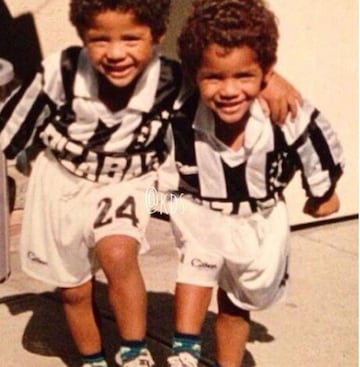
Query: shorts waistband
243	208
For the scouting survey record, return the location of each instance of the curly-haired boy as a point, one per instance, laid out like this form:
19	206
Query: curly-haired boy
98	110
231	165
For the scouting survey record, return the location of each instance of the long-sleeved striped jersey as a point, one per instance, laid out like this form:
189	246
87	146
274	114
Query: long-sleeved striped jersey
61	108
201	165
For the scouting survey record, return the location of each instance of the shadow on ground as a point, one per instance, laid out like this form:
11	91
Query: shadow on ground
46	332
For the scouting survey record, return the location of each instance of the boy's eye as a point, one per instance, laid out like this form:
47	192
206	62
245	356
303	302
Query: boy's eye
131	38
100	39
95	39
210	76
245	76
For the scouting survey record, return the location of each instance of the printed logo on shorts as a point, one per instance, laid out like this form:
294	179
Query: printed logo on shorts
31	256
198	263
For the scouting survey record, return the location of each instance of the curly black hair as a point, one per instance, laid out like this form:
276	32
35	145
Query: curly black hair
153	13
228	23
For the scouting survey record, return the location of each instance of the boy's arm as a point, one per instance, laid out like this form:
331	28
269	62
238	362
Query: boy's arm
315	146
322	207
278	98
22	114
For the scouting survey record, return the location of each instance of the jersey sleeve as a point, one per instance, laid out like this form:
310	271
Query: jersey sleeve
318	150
26	112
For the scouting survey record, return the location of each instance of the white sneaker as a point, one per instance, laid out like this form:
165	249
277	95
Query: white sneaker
144	359
182	359
96	364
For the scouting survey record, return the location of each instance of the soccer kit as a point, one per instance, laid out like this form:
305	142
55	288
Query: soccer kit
89	181
231	224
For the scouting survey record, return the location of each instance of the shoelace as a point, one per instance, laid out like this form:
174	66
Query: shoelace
183	359
144	359
95	364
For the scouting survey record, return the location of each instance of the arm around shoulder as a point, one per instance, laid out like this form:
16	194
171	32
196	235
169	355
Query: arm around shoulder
279	98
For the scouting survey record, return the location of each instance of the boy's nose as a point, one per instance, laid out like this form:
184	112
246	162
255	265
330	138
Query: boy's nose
229	88
115	51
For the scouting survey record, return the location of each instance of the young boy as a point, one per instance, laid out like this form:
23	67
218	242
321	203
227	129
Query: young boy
231	166
101	113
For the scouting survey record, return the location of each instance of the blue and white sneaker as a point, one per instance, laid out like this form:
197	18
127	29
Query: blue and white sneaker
144	359
182	359
96	364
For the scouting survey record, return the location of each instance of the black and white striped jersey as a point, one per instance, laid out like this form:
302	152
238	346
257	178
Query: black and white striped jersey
201	165
60	107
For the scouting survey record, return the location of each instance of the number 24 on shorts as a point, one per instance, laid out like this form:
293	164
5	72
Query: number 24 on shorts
125	210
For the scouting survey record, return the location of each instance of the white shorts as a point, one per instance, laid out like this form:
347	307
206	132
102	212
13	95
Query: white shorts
65	216
246	256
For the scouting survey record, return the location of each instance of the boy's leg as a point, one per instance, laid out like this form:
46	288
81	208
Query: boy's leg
81	317
191	304
232	331
94	360
198	272
118	256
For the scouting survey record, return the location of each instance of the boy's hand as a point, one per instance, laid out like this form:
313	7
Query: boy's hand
322	207
279	98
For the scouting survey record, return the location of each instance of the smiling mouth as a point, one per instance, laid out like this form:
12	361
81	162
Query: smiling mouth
118	71
229	107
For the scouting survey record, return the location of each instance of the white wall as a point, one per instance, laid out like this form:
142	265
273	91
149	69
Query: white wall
318	53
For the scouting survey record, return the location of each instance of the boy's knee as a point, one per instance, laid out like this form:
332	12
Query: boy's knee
117	248
117	254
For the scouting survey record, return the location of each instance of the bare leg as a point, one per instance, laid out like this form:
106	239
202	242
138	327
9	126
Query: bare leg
118	256
80	314
191	305
232	331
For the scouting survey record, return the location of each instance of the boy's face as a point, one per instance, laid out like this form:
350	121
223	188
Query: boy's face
118	46
229	80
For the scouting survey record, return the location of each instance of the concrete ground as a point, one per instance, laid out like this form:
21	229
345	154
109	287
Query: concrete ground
316	326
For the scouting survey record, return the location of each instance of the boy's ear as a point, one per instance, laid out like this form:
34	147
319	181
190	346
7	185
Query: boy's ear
160	38
268	74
